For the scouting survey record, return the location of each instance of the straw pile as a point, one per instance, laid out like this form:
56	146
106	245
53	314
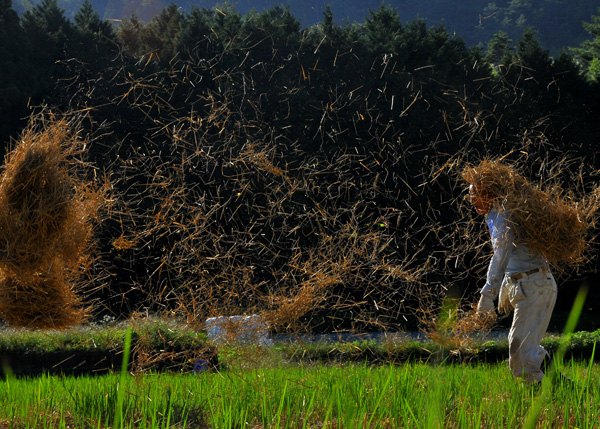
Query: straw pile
46	216
551	222
461	331
47	302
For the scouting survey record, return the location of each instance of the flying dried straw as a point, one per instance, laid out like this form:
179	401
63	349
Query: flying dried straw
552	222
46	215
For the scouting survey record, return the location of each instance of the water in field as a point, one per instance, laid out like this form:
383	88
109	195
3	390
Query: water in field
346	337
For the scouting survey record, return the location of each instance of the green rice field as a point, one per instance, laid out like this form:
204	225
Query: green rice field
256	387
284	395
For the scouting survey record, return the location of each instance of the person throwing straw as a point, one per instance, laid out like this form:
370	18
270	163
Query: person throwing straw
529	230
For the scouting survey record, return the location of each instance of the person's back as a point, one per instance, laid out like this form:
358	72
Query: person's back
520	257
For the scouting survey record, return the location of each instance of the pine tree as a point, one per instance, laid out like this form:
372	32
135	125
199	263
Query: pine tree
274	31
95	38
87	20
328	24
195	38
498	49
16	69
130	35
48	31
47	19
589	52
531	54
160	36
51	37
383	29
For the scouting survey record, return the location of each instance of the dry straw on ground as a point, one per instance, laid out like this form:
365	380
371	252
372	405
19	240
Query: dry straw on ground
46	217
47	302
457	329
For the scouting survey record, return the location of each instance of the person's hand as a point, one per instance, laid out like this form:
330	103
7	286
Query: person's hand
504	305
485	306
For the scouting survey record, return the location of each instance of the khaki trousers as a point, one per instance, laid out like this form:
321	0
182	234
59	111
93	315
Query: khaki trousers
533	298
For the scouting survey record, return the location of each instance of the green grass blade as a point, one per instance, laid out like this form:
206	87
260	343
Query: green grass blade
119	418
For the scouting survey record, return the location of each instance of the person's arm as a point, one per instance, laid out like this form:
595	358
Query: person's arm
502	241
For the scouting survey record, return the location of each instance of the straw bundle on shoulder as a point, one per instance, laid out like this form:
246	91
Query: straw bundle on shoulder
551	222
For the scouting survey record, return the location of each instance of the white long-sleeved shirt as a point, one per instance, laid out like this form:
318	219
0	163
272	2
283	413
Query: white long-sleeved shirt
510	255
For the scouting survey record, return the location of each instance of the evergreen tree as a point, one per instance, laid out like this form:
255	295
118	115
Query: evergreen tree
47	20
328	24
88	21
96	39
16	73
130	35
593	72
274	30
556	21
531	54
160	36
50	35
196	38
227	22
589	52
271	41
52	40
383	29
530	64
539	94
498	49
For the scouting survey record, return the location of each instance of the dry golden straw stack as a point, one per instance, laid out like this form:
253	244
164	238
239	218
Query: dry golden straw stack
550	221
46	215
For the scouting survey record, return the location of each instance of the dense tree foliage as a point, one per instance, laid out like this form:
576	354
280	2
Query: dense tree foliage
345	125
15	71
557	22
156	39
589	52
553	21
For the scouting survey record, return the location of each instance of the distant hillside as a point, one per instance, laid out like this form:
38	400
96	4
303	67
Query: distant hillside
557	22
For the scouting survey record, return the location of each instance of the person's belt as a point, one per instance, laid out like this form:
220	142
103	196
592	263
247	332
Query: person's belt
518	276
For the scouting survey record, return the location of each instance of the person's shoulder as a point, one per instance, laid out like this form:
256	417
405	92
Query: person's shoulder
497	217
493	214
500	212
